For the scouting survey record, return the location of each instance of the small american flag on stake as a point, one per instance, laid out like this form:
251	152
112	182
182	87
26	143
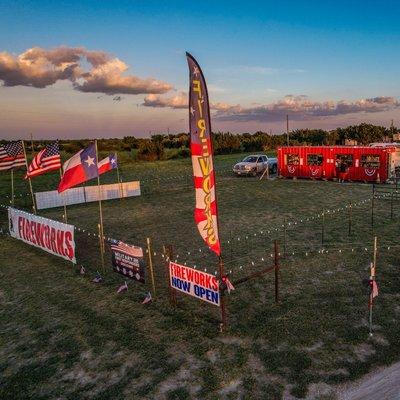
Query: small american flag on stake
133	251
46	160
11	155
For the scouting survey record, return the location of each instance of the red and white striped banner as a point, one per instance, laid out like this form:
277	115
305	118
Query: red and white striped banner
206	213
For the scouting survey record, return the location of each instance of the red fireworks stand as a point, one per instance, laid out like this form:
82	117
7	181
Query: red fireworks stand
348	163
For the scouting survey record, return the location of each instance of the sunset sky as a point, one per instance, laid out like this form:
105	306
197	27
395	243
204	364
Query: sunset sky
111	69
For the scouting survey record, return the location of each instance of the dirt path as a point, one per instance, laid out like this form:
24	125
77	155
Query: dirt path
383	384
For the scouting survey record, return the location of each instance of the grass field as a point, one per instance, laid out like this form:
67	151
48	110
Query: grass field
64	337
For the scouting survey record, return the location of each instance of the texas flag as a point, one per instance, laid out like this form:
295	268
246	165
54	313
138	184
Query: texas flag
79	168
107	164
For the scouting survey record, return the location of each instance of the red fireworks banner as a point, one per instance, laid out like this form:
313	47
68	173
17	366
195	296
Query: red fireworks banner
206	213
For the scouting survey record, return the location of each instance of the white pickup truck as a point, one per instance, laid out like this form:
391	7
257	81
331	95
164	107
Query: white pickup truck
256	164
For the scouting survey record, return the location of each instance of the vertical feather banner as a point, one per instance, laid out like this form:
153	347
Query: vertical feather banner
206	211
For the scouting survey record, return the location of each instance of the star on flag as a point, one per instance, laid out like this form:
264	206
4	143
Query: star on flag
89	161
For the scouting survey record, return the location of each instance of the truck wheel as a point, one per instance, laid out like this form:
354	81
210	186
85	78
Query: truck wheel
254	173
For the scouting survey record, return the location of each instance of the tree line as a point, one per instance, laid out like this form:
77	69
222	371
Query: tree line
169	146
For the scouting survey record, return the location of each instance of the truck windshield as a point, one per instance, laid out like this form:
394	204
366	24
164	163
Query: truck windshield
250	159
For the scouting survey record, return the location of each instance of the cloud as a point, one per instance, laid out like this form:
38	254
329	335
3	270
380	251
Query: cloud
301	108
180	101
40	68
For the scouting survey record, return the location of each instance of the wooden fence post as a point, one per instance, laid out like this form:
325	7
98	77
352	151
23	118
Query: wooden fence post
151	266
276	270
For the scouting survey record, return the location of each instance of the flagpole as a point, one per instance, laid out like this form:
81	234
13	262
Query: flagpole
372	278
29	180
32	144
210	154
101	243
119	181
371	300
65	206
101	228
12	186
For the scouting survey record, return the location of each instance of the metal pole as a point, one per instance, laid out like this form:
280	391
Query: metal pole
29	180
101	244
375	250
287	128
223	324
151	266
370	302
100	207
65	206
12	187
372	277
32	150
276	269
118	179
323	228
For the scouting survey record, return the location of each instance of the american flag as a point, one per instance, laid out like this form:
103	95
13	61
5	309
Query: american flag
117	245
46	160
11	155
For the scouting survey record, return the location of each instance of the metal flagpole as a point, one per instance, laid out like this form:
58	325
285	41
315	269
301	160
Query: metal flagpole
12	186
101	228
101	244
29	179
118	179
32	144
65	206
372	278
287	129
371	299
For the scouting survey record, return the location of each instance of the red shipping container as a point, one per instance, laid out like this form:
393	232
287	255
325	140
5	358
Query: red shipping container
348	163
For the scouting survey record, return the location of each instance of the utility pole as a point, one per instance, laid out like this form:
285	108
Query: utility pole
392	130
287	128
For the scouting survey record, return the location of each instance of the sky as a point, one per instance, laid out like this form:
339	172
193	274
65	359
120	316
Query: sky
112	69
